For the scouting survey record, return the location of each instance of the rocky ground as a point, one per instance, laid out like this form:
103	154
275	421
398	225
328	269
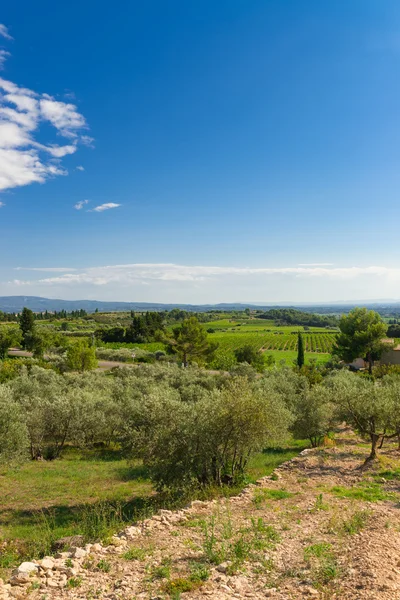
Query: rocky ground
319	527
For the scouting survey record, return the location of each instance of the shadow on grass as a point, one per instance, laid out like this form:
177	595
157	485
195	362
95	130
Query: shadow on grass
73	520
286	450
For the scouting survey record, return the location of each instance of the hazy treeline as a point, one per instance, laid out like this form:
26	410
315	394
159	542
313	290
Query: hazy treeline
291	316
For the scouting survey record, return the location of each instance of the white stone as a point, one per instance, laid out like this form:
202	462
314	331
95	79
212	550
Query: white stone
78	552
27	568
47	563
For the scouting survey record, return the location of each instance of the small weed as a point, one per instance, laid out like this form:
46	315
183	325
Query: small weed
35	585
356	522
321	550
180	585
163	571
194	522
87	564
199	572
104	565
214	552
319	504
241	550
74	582
268	531
327	571
322	561
136	553
68	563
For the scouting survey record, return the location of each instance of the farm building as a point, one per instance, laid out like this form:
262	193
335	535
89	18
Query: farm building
390	357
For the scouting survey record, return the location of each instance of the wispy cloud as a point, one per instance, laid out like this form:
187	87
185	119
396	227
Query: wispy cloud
4	32
79	205
165	272
106	206
23	159
2	204
3	57
80	168
315	264
47	269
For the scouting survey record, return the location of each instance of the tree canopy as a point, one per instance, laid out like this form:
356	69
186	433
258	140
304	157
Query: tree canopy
190	342
361	335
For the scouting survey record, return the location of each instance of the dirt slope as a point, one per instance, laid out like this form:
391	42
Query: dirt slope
318	528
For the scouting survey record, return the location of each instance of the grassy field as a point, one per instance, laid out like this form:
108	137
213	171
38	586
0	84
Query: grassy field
289	356
88	493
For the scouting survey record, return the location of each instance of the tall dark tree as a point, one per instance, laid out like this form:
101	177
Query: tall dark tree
300	351
27	325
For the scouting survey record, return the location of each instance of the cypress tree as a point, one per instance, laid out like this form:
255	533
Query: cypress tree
26	324
300	351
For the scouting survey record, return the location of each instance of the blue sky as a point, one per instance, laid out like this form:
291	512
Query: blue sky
227	151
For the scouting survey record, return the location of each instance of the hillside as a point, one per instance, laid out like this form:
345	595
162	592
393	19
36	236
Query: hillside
319	527
39	304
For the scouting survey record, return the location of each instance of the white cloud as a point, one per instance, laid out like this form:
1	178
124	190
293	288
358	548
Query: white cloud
59	151
4	32
167	282
80	168
2	204
106	206
47	269
23	160
167	272
315	264
79	205
3	57
63	116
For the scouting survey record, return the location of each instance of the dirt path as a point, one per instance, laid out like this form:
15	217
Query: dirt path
319	527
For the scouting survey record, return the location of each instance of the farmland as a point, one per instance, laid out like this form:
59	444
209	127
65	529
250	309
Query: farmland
280	342
230	332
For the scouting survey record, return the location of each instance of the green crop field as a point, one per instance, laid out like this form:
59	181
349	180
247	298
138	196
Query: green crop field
261	334
264	335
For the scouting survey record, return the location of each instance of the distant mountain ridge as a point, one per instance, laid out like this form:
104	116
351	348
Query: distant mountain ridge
37	304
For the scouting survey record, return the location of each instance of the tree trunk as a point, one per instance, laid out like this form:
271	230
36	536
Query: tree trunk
375	439
370	363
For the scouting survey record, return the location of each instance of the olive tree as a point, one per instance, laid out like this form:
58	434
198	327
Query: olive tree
208	440
81	357
48	410
367	406
314	415
9	336
13	432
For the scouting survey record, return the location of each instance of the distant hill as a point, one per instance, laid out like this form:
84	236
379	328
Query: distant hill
38	304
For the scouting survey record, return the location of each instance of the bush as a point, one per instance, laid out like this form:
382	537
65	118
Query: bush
120	355
207	441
